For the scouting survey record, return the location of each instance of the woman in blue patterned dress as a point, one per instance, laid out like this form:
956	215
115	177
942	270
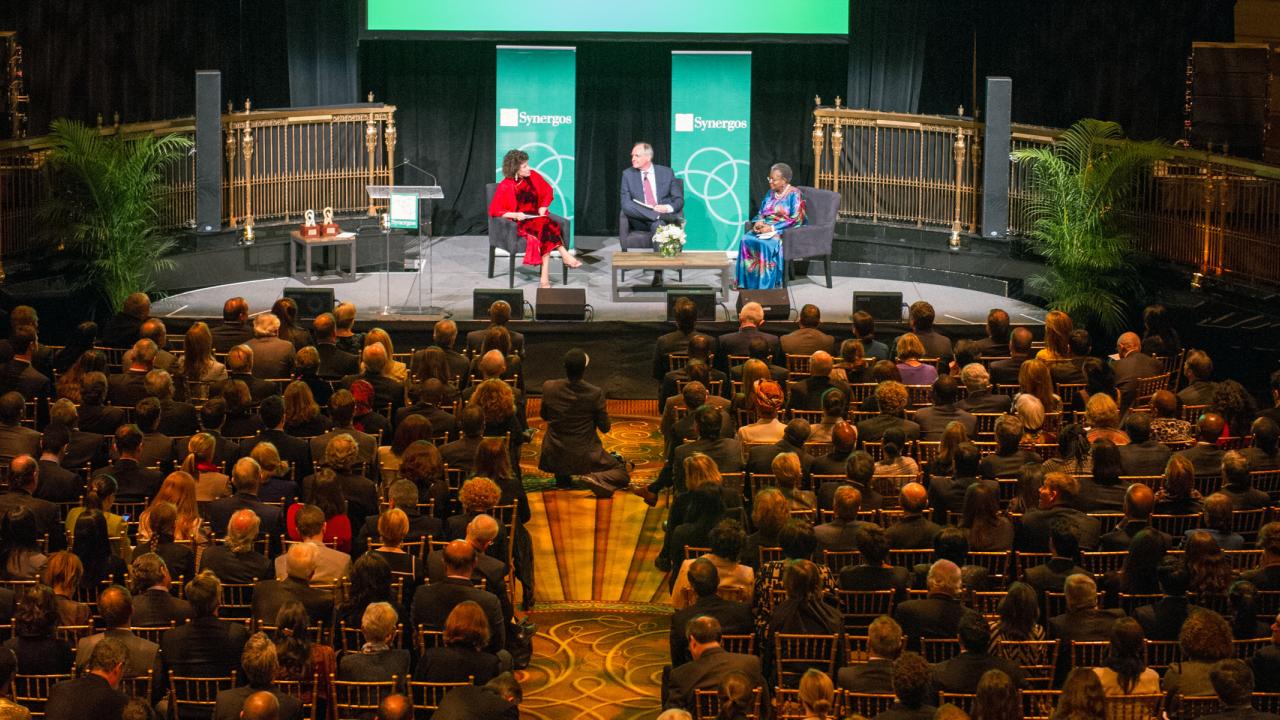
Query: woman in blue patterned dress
760	263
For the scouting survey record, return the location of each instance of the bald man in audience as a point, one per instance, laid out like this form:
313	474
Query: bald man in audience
115	604
1205	455
1005	372
433	602
395	707
1139	503
261	706
844	438
482	531
938	615
1132	366
915	529
386	390
269	595
806	394
334	361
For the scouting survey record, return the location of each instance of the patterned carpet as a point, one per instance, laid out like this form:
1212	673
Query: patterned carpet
602	607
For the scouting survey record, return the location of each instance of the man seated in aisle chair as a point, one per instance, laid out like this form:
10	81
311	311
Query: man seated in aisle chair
651	197
760	261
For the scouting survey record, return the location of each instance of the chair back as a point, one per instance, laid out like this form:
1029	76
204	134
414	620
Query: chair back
820	206
706	704
1135	707
1089	653
32	691
741	644
937	650
427	695
197	695
797	653
861	607
868	705
359	700
1039	704
137	686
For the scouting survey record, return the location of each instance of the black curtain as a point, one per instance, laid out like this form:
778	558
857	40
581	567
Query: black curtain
887	42
322	37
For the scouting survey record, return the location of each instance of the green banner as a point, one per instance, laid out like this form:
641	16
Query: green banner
711	144
537	87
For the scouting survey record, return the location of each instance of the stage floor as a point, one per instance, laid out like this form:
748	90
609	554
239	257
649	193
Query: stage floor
457	265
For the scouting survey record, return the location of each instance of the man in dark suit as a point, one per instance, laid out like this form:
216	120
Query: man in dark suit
444	335
935	418
18	373
912	683
758	349
884	645
1205	455
1163	619
499	316
334	362
177	418
698	367
402	494
1009	458
94	691
726	452
808	338
677	341
750	318
1143	455
1083	621
116	605
978	397
83	448
874	572
234	560
234	329
937	616
1139	502
157	448
1266	661
25	316
921	317
1237	483
240	367
154	606
844	436
1132	366
760	458
807	394
1057	498
133	481
386	390
858	471
260	665
342	408
1064	549
709	666
996	342
842	532
461	453
498	699
433	602
125	327
125	389
1232	681
425	399
246	478
205	646
734	617
482	531
272	355
15	439
24	477
947	493
1198	369
962	673
1005	372
269	595
650	197
57	484
574	410
291	449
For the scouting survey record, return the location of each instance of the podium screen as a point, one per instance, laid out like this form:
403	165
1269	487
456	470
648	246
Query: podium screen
816	19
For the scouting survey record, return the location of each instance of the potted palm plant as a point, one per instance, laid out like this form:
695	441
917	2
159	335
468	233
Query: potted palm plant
103	206
1080	188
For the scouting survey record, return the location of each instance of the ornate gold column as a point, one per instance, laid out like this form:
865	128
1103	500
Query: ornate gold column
959	151
389	137
818	139
371	142
246	150
837	146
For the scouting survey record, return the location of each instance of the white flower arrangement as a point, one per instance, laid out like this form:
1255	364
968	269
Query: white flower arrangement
670	239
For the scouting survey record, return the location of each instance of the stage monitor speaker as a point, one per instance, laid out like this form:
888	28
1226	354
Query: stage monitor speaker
561	304
881	306
703	298
776	303
312	302
482	298
995	158
208	151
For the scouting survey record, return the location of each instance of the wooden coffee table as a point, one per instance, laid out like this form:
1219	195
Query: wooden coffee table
702	260
346	239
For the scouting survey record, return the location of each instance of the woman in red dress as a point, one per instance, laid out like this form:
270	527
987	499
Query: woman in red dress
524	196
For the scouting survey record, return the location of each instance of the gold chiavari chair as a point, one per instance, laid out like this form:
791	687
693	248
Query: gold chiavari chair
359	700
795	653
32	691
426	696
197	695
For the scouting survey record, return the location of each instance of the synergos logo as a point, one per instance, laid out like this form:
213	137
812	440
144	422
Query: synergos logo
512	117
688	122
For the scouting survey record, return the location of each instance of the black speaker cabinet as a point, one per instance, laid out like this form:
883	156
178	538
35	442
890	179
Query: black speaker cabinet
776	303
703	298
995	158
561	304
311	301
482	298
208	151
882	306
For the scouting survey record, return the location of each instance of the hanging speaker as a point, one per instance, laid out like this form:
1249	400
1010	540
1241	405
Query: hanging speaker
995	158
208	151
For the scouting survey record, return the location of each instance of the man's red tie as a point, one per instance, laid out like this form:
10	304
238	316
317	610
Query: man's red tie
649	197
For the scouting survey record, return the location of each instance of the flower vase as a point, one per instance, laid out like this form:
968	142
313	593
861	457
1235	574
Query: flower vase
670	249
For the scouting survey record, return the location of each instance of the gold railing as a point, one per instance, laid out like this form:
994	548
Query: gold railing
276	165
1218	214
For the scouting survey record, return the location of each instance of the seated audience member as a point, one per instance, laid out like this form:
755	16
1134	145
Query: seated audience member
376	661
463	655
1216	521
913	688
1178	494
393	524
1266	661
1009	457
1264	455
891	399
844	438
498	698
63	574
1139	572
202	464
934	419
1205	639
946	493
797	542
313	530
298	655
433	602
710	664
153	604
1163	620
1103	491
842	531
892	462
1126	671
884	645
300	565
1166	424
402	495
1237	483
874	571
95	690
937	616
260	665
807	394
835	405
909	352
205	646
913	529
734	617
978	396
1266	576
1102	417
325	491
178	557
787	474
794	436
726	452
236	559
805	611
1233	683
1144	455
1205	455
1064	549
736	579
8	708
770	512
767	399
1139	502
1057	501
1242	601
276	488
962	673
1082	697
1017	620
986	527
1083	620
35	618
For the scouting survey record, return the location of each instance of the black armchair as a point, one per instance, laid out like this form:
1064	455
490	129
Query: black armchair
503	239
814	238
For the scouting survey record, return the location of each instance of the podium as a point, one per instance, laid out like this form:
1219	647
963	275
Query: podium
421	192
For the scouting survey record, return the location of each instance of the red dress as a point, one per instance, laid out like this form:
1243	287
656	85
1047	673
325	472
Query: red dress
541	234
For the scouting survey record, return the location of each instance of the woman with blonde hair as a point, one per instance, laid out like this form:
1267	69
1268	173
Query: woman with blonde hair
1057	337
394	369
909	350
277	484
768	399
817	695
198	362
1035	379
753	371
769	513
393	525
302	416
1102	417
211	482
179	489
787	474
700	474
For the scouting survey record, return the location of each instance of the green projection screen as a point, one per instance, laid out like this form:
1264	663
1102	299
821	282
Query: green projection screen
682	18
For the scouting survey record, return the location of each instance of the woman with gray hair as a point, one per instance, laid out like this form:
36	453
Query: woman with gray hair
760	260
376	661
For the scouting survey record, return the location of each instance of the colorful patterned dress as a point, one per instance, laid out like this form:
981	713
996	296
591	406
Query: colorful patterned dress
760	259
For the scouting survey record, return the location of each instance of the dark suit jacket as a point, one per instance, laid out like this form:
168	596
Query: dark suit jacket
735	619
1148	458
1120	538
875	676
84	448
156	451
1246	498
219	513
48	517
456	663
937	616
725	452
335	363
935	344
1205	458
19	375
833	463
912	531
935	418
272	357
374	667
984	401
420	526
460	453
125	389
948	494
961	673
1033	533
574	411
18	440
1050	576
121	331
1266	669
178	418
259	389
866	577
238	568
134	481
475	342
433	603
441	421
58	484
807	341
204	647
230	702
1084	625
475	703
269	595
1129	370
227	335
1005	372
1006	466
385	389
838	534
806	394
1163	620
71	699
364	442
737	343
708	672
665	190
872	429
760	459
1097	497
291	449
153	608
672	342
101	419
